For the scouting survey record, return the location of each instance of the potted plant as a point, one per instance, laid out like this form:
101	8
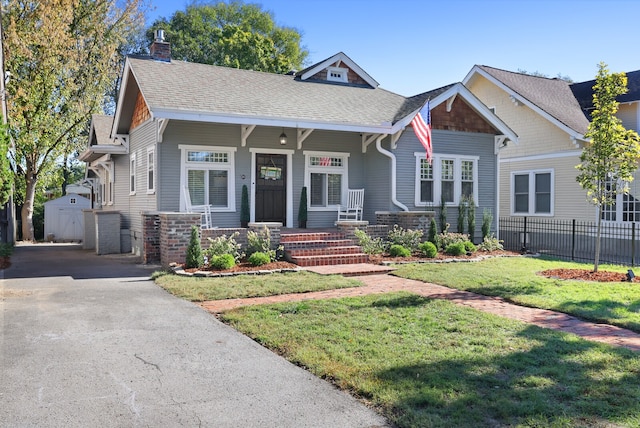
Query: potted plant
244	207
302	209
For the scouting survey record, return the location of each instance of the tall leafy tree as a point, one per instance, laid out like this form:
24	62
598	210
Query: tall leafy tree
63	58
6	175
612	155
233	35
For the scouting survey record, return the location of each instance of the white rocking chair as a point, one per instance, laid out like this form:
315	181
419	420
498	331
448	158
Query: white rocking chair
205	210
352	211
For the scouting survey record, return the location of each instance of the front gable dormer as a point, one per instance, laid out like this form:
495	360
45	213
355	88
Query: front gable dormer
338	69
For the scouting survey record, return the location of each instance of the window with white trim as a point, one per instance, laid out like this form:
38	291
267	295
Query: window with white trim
326	179
106	185
626	207
151	170
209	176
449	177
132	174
532	192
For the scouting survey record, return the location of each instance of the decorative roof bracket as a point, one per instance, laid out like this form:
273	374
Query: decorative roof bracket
162	125
123	139
245	131
394	139
515	101
302	135
368	139
450	102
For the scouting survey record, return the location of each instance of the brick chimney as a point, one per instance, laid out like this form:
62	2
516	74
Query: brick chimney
159	49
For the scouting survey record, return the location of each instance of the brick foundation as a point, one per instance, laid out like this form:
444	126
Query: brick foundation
150	238
175	232
415	220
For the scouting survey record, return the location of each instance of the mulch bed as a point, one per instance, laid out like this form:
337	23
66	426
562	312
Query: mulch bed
586	275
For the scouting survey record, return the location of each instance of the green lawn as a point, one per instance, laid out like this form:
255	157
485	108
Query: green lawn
516	279
198	289
430	363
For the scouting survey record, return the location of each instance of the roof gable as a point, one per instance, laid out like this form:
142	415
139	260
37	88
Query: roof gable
551	98
322	71
583	91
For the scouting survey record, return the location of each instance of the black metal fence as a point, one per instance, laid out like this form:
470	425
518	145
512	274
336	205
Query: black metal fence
571	239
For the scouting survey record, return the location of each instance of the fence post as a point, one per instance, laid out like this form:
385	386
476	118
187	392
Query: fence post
524	237
573	239
633	244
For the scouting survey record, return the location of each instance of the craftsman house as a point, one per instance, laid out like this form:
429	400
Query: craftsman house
188	137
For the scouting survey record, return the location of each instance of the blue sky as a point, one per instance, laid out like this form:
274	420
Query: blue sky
412	46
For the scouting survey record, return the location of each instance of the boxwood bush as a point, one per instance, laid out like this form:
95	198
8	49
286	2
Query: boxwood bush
428	249
259	258
399	251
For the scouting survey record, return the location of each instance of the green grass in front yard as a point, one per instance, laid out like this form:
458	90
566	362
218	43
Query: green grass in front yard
516	279
241	286
430	363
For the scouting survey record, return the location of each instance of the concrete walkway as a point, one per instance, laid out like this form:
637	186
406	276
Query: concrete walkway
90	341
382	283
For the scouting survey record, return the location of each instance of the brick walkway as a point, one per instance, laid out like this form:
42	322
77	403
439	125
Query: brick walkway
379	283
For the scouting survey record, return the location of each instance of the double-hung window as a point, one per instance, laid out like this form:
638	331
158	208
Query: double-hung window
532	192
208	176
326	179
448	178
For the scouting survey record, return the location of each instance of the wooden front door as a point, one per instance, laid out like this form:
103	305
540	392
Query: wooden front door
271	188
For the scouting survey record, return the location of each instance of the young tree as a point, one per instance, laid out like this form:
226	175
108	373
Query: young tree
611	157
234	35
63	57
6	175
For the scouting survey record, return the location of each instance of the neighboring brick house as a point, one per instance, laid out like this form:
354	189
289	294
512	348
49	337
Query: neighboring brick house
186	133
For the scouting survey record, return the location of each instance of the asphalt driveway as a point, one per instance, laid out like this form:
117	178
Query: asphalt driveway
89	340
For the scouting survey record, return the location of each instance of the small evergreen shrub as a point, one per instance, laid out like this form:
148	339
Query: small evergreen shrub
428	249
443	214
470	247
399	251
6	249
487	219
471	217
456	249
433	233
194	258
462	213
490	243
259	258
407	238
370	245
222	262
224	245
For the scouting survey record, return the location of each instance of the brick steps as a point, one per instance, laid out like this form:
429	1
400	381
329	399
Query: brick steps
321	249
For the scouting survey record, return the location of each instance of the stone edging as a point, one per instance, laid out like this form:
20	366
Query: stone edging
178	270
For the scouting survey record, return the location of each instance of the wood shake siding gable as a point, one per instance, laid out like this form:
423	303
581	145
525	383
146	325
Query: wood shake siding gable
141	112
352	77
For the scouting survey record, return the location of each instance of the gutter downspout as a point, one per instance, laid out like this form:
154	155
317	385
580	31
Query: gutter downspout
393	172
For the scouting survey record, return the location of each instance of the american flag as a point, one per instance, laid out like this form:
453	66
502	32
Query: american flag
421	124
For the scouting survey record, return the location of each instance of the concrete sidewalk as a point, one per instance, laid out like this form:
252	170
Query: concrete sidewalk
90	341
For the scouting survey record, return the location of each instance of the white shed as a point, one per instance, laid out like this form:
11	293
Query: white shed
63	218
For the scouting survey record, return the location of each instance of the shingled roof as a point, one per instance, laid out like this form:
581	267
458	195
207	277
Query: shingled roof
191	88
552	96
583	91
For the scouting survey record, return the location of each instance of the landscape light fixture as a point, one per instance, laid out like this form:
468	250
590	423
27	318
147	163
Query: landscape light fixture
630	275
283	138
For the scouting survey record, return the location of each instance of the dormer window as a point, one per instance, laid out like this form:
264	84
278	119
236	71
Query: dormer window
337	74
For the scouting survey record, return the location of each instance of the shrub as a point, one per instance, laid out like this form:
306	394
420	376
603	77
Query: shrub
471	217
462	213
428	249
222	262
407	238
370	245
470	247
456	249
447	238
6	249
260	242
487	219
443	214
433	233
224	245
194	258
244	207
490	243
399	251
259	258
